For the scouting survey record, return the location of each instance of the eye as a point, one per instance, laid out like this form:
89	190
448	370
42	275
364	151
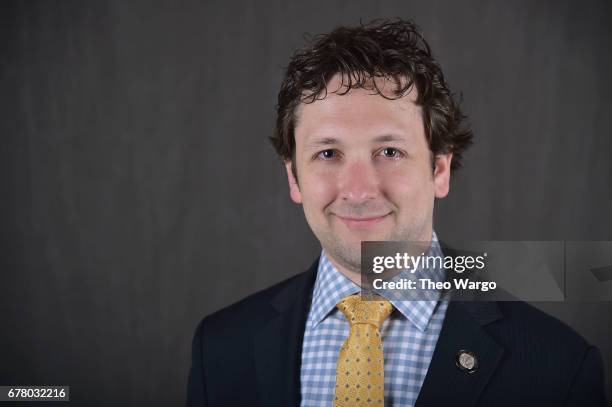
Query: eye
390	152
327	154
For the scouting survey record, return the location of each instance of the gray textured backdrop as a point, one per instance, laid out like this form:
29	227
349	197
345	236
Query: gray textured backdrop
138	191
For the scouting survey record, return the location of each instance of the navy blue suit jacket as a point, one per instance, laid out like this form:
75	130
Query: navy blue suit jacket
248	354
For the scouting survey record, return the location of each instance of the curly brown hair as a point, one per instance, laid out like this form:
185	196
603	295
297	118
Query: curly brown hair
390	49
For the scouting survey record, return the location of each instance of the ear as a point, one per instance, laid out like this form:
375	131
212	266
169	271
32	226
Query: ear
442	174
294	188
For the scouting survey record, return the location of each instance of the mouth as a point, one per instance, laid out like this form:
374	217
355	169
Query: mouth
364	222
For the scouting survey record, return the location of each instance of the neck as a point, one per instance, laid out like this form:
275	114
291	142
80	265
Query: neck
349	272
353	272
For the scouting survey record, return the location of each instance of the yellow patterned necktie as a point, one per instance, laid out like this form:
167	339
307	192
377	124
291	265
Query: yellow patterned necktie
360	376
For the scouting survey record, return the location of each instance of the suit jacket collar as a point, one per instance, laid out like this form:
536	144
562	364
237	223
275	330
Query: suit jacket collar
278	345
463	330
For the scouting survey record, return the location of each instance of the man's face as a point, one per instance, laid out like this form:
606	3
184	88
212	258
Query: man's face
364	171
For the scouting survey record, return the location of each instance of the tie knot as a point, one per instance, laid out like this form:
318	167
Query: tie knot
372	311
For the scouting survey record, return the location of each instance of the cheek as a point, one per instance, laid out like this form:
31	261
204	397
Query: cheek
318	190
407	186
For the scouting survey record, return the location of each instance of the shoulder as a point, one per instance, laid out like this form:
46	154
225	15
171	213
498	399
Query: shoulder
539	347
524	321
254	310
255	307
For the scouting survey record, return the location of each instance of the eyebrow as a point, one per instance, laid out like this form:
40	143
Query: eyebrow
329	141
325	141
389	137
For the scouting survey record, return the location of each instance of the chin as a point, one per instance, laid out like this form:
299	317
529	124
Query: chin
370	236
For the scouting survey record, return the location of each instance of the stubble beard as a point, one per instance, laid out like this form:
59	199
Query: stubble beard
348	254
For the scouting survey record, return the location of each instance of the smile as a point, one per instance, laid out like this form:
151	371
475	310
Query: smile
362	222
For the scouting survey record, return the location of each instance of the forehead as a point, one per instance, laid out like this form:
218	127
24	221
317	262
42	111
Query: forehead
359	110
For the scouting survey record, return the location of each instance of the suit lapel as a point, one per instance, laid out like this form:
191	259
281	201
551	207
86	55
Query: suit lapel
446	383
278	345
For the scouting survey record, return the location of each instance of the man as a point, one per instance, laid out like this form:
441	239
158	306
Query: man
369	134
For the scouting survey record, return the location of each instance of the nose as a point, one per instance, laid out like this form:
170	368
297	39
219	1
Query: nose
359	182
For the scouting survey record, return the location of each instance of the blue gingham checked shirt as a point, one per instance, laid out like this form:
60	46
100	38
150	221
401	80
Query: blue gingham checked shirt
409	337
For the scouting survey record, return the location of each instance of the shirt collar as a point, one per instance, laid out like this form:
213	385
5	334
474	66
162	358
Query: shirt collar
331	287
